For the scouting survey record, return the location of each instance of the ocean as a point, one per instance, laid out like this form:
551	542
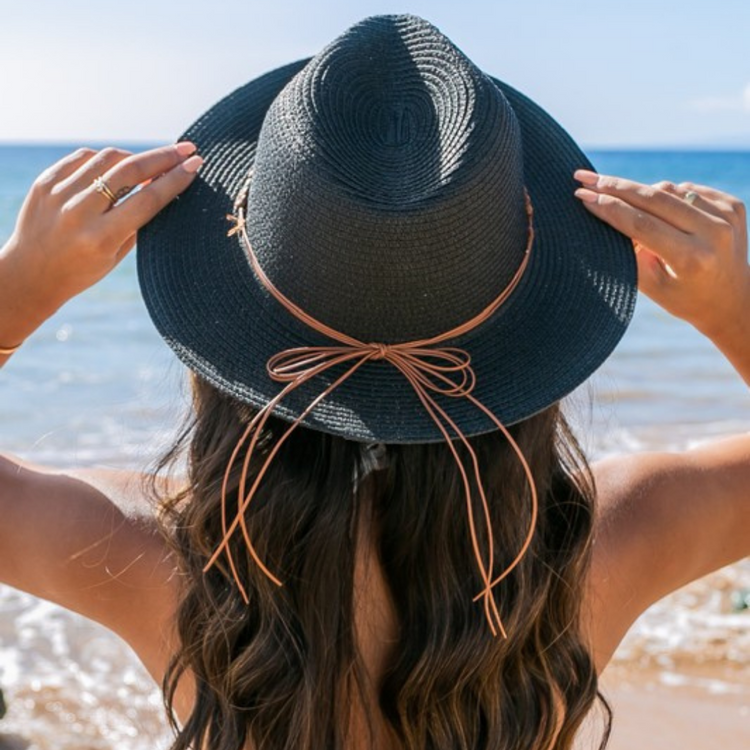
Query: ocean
96	385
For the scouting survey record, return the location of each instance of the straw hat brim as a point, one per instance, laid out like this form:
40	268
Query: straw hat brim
569	311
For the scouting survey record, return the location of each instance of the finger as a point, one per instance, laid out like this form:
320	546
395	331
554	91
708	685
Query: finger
721	204
666	205
699	202
684	190
64	167
140	168
127	192
709	192
84	175
659	236
141	207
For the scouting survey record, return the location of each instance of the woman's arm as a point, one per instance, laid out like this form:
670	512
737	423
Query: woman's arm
669	518
83	539
665	519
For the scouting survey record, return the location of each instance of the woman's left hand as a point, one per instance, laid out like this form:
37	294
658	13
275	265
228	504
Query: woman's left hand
691	256
691	245
68	235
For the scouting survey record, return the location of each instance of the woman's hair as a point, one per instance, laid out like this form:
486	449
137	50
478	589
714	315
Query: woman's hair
283	671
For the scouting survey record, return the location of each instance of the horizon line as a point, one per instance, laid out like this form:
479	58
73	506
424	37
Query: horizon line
729	147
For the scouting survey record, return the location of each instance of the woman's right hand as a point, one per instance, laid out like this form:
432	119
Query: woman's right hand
68	236
692	257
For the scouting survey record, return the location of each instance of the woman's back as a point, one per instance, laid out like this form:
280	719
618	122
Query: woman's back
665	519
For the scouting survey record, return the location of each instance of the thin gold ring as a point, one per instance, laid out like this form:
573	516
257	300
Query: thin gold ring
690	196
102	187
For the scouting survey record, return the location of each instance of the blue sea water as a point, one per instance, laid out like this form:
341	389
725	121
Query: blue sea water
96	383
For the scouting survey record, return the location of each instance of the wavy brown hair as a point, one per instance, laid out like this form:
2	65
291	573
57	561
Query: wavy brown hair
281	673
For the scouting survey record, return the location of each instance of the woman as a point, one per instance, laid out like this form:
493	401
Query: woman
336	610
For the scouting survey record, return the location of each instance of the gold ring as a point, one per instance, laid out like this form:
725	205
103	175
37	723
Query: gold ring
103	188
690	196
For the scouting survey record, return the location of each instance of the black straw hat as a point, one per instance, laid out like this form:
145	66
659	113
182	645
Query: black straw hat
384	185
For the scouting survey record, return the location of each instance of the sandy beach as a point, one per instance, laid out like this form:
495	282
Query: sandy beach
680	679
653	711
659	718
76	686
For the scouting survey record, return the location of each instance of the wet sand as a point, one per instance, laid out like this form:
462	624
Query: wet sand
653	710
679	681
656	710
671	719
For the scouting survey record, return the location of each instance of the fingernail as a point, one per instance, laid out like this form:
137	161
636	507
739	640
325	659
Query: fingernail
586	177
192	164
587	195
185	148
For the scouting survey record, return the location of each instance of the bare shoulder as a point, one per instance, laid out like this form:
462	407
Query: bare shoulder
664	520
88	539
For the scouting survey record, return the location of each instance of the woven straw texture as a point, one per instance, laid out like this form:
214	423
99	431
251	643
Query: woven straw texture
386	179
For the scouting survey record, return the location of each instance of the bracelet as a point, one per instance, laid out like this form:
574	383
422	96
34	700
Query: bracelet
11	349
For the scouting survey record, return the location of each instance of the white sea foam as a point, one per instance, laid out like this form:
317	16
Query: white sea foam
71	684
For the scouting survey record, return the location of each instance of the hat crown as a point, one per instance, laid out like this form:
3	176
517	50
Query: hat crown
382	268
387	194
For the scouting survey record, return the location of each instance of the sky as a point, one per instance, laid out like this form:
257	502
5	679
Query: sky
614	73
